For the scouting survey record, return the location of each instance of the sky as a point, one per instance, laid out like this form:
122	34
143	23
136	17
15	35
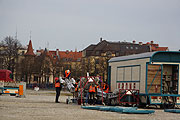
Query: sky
75	24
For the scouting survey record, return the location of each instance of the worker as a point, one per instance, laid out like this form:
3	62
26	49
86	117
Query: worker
76	88
92	91
67	74
105	88
58	88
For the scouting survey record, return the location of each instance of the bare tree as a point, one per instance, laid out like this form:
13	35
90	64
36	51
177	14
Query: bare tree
43	67
57	67
9	53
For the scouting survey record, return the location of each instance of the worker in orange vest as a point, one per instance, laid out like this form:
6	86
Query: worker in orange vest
76	88
92	91
58	88
67	74
105	88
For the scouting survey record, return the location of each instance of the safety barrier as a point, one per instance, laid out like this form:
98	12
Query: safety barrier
134	94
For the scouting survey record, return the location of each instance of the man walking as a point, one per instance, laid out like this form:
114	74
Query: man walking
58	89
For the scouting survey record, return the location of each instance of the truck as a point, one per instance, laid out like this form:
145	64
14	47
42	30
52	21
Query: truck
150	78
9	86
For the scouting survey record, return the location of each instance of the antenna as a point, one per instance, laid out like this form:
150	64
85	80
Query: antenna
30	34
16	33
47	44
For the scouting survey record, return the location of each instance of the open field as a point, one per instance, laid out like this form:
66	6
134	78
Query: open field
40	106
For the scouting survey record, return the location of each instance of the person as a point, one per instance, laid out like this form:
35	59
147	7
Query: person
105	88
67	74
58	88
92	90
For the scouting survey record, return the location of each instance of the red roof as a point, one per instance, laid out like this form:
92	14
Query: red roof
74	56
30	49
155	47
68	55
159	48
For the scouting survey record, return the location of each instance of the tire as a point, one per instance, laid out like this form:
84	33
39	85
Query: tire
12	94
169	106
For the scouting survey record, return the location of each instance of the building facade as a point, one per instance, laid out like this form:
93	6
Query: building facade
95	56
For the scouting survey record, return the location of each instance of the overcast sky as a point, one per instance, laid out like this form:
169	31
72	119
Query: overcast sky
70	24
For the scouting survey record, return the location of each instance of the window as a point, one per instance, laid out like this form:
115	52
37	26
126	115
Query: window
136	48
128	77
96	61
135	73
79	59
120	74
128	73
97	52
117	53
47	79
11	76
1	60
109	53
22	52
131	47
127	47
35	78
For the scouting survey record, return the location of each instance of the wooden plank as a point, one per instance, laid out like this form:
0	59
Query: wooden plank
153	89
149	81
154	79
153	72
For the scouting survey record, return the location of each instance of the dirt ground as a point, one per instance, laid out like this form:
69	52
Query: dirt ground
39	105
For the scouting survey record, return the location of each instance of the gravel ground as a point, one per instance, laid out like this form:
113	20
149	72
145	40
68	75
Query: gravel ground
40	106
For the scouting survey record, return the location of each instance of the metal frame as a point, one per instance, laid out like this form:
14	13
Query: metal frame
92	77
160	94
136	96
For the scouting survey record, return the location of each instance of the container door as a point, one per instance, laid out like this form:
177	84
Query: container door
154	79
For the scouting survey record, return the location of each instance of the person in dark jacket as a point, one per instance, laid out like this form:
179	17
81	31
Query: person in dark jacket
58	88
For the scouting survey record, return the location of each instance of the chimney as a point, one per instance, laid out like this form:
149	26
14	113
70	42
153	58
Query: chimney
134	42
57	52
152	42
140	43
101	39
67	51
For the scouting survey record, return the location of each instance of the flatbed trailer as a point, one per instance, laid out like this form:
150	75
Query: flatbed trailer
154	74
9	86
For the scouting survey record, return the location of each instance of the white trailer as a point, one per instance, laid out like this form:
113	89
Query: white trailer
154	74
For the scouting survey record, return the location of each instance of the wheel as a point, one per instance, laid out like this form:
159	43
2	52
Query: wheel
12	94
169	106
